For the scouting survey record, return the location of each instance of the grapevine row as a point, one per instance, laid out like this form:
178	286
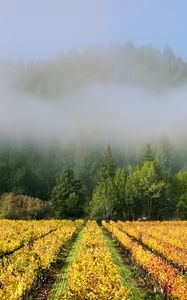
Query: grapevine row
93	275
166	276
171	232
19	272
172	253
16	234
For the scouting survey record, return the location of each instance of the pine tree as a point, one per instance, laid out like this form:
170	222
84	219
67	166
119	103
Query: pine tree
164	153
108	166
148	154
181	193
120	182
104	199
147	192
67	196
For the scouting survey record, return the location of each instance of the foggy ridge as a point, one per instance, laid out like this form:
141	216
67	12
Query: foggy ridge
120	93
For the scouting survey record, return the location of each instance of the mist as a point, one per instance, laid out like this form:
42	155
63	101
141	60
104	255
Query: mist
115	95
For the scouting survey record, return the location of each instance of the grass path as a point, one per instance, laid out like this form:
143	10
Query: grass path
126	274
62	276
127	280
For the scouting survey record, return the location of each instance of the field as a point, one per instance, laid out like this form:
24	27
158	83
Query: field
63	259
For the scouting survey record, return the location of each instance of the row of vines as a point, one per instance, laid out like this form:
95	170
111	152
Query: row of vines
41	242
161	256
29	249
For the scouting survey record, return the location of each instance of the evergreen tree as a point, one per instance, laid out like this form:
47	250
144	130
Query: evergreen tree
181	193
147	192
67	196
164	153
120	183
104	200
154	190
108	166
133	194
148	154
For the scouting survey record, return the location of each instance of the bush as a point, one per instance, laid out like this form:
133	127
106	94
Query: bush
24	207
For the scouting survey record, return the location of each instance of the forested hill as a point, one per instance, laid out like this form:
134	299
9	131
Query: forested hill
116	64
57	117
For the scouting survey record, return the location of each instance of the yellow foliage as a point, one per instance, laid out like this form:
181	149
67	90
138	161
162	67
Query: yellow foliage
93	275
19	271
167	276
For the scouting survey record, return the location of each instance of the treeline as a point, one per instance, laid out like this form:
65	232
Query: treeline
144	192
122	64
32	170
81	182
117	63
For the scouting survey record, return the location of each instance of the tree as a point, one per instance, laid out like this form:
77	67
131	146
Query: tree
24	207
120	183
104	200
67	196
164	153
182	207
147	192
148	154
181	193
109	199
4	177
133	194
108	166
154	189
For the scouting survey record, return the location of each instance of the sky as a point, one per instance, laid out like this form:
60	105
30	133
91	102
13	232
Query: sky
39	29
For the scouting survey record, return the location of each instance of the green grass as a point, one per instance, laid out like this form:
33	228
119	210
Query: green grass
126	276
61	281
126	273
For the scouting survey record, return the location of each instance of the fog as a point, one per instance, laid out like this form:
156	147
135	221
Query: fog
116	95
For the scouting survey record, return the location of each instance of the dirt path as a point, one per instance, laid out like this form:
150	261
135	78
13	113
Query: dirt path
61	278
48	283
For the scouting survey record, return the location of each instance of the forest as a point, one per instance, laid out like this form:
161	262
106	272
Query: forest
94	134
95	183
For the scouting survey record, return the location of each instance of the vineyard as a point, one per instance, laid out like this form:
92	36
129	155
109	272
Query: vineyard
64	259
